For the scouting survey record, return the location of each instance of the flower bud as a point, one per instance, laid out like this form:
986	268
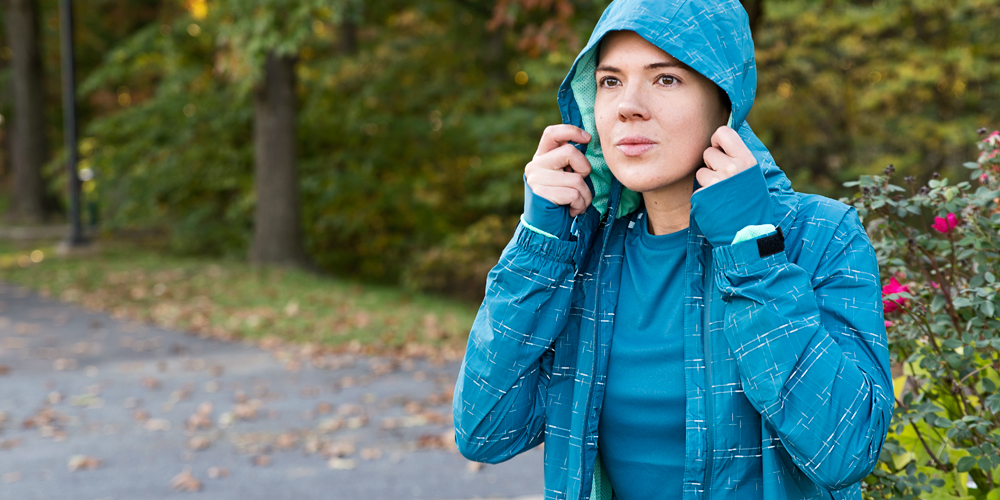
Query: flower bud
982	131
935	175
890	169
909	179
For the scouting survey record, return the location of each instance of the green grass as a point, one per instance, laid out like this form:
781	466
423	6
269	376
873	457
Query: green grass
232	300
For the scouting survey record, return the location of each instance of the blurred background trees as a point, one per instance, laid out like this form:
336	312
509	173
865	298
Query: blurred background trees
398	155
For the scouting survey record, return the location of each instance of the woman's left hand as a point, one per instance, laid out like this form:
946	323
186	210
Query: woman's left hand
728	156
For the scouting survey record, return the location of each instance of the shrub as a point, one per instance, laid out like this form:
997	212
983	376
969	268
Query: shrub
458	267
939	252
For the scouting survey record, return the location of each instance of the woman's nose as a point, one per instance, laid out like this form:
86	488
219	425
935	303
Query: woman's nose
632	107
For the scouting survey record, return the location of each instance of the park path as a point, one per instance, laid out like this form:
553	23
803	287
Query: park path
96	408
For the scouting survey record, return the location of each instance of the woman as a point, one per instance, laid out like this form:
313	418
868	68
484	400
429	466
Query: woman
670	318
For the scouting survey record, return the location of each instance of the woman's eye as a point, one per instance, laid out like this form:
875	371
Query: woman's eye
609	81
666	80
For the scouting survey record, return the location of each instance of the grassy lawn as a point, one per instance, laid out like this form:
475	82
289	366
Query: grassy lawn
232	300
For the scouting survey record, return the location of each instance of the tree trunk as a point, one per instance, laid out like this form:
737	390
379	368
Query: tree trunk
755	10
27	140
348	37
277	237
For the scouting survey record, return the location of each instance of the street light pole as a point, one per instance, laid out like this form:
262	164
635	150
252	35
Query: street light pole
76	237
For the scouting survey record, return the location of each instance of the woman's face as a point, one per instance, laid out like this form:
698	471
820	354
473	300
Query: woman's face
655	116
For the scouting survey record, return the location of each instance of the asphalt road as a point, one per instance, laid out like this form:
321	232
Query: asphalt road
96	408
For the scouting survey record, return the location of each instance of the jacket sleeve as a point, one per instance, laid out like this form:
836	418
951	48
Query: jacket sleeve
499	401
812	352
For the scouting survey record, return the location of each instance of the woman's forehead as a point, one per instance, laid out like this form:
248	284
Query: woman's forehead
630	43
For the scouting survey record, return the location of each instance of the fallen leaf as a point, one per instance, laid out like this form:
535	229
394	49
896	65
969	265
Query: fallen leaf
185	481
201	418
218	472
64	364
286	441
81	462
261	460
10	443
151	383
157	424
199	443
341	464
140	415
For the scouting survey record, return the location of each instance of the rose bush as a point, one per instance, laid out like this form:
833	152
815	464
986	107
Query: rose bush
939	252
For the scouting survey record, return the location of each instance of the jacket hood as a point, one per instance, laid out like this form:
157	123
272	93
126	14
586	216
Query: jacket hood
712	37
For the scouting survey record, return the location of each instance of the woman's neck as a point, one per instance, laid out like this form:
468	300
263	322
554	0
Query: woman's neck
669	208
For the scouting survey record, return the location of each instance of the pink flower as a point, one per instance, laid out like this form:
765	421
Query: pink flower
945	225
888	323
891	289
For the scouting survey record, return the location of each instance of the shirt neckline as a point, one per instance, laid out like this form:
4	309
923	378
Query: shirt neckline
659	242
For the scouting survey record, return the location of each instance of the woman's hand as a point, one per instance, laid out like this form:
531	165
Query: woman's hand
728	156
558	169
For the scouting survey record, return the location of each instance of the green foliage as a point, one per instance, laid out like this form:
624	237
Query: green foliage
460	264
400	145
848	86
939	247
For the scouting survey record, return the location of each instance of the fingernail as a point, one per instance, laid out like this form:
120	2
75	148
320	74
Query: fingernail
586	135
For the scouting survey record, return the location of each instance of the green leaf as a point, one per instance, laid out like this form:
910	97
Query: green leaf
965	464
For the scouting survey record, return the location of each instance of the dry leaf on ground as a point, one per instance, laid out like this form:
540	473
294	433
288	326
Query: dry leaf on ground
218	472
83	462
185	481
341	464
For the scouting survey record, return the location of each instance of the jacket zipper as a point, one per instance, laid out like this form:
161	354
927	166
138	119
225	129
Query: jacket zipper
608	223
708	382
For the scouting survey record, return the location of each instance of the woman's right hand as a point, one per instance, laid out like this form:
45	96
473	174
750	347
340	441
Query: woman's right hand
558	169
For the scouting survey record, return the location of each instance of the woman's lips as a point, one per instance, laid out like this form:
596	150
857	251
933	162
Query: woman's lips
635	146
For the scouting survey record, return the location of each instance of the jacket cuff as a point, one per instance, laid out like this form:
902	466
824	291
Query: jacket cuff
545	217
725	207
545	246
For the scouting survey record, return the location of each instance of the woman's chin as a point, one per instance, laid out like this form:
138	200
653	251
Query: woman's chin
645	184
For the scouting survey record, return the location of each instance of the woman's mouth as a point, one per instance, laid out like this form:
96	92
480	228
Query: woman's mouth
635	145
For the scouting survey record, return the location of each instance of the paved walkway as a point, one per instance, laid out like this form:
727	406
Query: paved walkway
94	408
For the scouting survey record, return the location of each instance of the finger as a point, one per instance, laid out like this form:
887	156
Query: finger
729	141
564	196
543	180
720	162
707	177
557	135
560	158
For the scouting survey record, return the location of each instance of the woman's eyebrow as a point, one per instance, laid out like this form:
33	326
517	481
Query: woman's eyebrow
657	65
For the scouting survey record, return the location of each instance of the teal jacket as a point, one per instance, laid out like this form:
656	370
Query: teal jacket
785	354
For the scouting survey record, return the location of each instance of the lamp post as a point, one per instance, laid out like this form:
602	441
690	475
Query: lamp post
76	237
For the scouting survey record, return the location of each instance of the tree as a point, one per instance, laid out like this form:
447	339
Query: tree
264	37
277	236
27	140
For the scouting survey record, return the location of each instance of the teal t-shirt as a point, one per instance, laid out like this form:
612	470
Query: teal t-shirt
641	429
